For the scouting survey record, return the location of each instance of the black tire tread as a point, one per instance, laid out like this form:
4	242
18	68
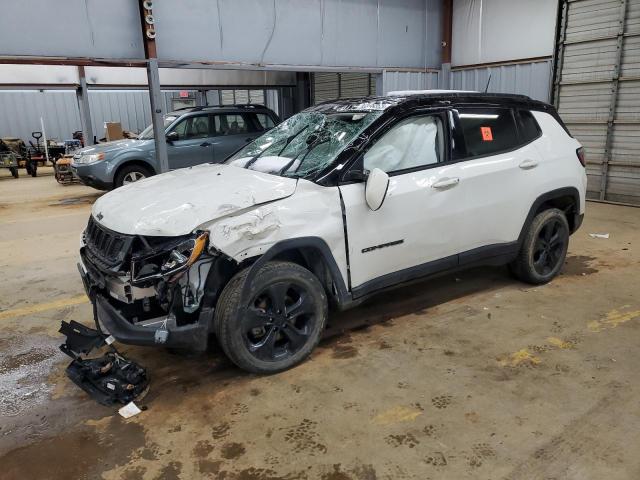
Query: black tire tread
227	312
521	268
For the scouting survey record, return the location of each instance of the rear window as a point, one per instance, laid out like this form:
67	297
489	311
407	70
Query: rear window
529	128
264	122
230	124
488	131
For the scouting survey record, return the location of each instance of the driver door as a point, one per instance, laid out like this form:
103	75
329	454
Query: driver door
411	234
194	144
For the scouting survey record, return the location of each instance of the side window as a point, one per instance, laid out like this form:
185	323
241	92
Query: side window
230	124
488	130
413	142
193	127
529	128
264	121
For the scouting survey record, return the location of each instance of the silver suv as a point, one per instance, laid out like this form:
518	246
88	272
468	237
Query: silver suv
194	135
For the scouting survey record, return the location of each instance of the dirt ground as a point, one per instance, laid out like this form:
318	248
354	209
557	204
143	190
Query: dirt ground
473	375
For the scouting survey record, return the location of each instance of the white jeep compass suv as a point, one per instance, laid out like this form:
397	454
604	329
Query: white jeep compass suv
336	203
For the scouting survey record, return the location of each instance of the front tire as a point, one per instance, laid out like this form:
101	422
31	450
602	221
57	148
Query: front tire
131	174
544	248
280	324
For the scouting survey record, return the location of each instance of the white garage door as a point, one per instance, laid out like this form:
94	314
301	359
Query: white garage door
597	91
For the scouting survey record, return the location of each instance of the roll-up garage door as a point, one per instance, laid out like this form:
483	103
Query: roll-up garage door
332	86
597	91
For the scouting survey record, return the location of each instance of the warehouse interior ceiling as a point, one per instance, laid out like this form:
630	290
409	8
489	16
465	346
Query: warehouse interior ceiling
387	33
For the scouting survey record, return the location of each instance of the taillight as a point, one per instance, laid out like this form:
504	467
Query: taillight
580	154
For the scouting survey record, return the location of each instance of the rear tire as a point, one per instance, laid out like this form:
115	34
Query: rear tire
281	323
544	248
130	174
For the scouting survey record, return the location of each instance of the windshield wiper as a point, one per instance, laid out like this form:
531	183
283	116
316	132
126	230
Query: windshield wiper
315	144
290	138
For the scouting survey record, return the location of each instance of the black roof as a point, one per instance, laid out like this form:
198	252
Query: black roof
437	98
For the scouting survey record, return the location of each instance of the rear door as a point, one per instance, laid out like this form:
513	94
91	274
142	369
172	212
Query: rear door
498	171
232	131
194	144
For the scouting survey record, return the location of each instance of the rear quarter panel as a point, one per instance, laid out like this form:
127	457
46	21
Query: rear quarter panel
561	167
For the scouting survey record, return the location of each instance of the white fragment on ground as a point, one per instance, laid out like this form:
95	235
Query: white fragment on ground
599	235
129	410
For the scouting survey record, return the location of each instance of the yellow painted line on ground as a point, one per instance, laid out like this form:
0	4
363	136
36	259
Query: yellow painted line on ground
43	307
613	319
397	414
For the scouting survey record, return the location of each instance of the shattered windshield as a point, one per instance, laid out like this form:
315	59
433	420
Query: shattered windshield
304	144
147	133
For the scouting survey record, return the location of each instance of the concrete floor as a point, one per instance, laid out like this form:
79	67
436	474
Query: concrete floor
466	376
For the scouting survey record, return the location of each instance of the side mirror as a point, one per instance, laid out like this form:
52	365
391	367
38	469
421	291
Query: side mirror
376	188
172	136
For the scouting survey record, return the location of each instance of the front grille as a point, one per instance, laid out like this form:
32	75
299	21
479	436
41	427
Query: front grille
107	249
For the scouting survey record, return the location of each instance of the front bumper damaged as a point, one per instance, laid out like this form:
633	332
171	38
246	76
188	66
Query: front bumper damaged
159	331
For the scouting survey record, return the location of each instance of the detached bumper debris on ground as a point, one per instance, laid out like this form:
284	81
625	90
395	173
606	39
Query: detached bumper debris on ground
109	379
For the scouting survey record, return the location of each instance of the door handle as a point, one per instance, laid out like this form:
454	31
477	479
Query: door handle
206	144
446	182
528	164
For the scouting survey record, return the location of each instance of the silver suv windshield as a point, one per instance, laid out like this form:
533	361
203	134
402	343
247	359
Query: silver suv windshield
304	144
147	133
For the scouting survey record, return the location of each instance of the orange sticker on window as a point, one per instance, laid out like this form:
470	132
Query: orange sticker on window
487	136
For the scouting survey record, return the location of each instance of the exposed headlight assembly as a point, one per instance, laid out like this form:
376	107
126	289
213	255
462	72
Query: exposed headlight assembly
88	159
177	257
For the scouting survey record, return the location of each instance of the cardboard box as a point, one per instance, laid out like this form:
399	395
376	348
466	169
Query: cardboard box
113	131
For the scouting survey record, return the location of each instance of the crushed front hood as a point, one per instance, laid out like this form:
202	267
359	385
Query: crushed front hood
177	202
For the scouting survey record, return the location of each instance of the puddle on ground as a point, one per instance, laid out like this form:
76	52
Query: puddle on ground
81	453
81	200
25	363
578	265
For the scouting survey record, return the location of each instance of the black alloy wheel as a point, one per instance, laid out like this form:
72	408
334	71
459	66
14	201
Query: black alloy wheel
543	248
279	321
549	246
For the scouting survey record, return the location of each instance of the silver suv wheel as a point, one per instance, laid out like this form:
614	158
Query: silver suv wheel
132	177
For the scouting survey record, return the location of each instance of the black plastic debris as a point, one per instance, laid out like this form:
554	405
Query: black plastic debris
109	379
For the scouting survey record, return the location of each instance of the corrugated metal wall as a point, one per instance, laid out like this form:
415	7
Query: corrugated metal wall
597	92
402	80
20	110
531	78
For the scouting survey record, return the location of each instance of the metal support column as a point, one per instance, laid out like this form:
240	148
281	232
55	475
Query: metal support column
559	59
613	101
148	30
82	95
157	114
